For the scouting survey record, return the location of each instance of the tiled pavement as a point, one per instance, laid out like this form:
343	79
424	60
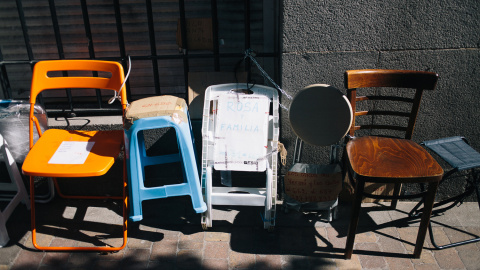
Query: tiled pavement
171	237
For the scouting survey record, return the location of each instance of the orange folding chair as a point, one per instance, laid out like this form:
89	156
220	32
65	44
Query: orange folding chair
75	153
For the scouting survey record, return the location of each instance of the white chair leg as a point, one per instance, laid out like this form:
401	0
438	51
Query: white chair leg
20	196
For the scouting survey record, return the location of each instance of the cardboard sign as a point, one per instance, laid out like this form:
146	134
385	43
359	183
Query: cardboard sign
156	106
321	186
241	132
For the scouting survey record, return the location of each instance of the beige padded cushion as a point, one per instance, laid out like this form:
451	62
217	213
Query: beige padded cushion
156	106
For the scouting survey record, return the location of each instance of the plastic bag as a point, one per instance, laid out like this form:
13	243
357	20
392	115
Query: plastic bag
312	187
14	127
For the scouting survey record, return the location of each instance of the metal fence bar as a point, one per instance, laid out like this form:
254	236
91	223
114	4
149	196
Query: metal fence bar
91	50
4	78
247	36
58	41
216	49
26	37
121	42
183	30
153	46
100	108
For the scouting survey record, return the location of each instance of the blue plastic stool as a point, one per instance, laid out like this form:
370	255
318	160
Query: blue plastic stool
154	113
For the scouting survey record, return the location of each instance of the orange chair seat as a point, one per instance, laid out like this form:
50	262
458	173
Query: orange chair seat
98	162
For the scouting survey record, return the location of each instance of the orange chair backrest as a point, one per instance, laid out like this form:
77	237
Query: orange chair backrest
42	80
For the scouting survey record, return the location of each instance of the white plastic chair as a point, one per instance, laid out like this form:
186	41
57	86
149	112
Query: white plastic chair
260	157
15	185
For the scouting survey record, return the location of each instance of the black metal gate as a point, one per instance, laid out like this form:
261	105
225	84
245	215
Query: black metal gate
153	33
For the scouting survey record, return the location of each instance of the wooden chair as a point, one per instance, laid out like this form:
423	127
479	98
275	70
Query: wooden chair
379	158
107	145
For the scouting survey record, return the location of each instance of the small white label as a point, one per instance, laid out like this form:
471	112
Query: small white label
71	153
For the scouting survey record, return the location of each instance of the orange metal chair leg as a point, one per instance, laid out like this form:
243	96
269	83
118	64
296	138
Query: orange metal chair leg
124	199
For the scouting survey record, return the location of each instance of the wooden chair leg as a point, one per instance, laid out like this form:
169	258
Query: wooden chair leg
426	213
352	228
396	192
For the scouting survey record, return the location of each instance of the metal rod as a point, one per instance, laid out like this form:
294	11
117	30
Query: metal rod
216	49
23	22
153	46
247	36
58	39
121	42
183	30
7	90
91	50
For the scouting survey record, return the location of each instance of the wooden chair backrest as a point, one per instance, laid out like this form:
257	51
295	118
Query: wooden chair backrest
382	81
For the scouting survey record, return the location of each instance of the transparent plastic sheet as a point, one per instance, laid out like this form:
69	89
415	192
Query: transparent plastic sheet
312	187
14	116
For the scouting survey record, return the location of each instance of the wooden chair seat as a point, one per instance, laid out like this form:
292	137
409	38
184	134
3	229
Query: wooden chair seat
391	160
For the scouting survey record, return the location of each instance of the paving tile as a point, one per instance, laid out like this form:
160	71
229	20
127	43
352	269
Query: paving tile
217	236
427	267
165	250
215	264
136	259
56	258
321	237
408	236
448	259
370	261
291	240
273	262
216	250
440	237
163	265
320	263
189	259
307	242
470	258
82	260
366	237
334	238
461	234
170	234
135	243
191	239
28	259
43	240
425	258
353	263
389	241
243	239
239	260
468	214
395	263
294	262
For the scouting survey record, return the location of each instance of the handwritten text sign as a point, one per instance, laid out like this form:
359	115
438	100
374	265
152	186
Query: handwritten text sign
71	153
241	132
313	187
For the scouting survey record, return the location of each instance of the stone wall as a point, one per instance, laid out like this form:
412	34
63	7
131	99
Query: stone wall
322	39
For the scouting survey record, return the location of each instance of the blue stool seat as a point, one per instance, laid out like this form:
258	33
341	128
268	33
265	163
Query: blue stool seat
154	113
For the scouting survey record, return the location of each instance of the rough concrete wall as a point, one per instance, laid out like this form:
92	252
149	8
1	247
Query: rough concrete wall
322	39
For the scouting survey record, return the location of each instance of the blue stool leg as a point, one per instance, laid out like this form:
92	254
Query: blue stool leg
189	161
135	172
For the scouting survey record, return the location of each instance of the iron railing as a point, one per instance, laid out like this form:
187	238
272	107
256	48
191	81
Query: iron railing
15	69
